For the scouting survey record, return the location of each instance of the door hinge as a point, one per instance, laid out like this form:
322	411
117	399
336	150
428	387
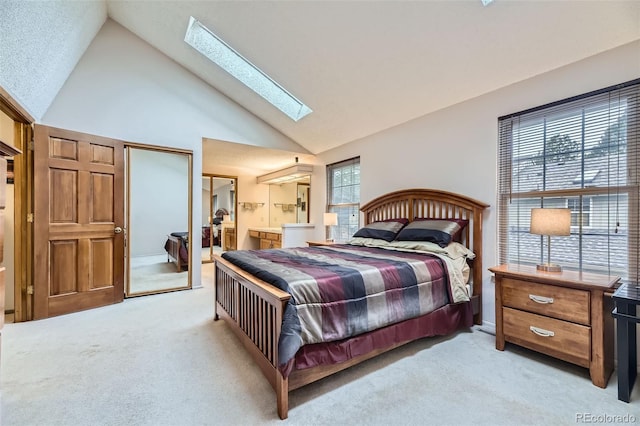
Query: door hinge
31	145
29	217
29	289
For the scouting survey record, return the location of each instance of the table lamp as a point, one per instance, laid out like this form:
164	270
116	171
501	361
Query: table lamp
550	222
329	220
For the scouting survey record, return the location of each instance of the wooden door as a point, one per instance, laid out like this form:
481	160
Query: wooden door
78	212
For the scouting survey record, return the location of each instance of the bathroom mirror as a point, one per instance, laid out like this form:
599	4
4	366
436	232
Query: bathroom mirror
289	202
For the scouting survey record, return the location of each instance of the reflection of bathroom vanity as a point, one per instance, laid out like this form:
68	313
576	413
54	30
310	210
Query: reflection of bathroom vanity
288	235
228	237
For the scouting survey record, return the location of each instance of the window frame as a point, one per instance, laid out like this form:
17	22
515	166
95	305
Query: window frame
624	185
349	209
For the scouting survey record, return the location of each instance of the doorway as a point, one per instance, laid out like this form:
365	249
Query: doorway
158	220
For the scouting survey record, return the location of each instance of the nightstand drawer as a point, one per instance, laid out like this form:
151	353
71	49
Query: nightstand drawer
561	339
559	302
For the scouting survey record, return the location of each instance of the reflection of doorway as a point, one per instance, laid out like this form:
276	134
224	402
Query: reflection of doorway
218	215
158	220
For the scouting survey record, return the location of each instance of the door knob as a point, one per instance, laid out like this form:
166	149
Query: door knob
117	230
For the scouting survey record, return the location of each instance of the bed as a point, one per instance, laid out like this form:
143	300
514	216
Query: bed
177	248
177	245
260	313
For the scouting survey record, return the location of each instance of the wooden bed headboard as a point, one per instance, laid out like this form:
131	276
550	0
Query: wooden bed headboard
433	203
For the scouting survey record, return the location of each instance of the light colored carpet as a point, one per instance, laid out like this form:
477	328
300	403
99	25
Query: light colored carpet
162	360
154	273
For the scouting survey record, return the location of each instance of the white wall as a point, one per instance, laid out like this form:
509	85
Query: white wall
455	149
125	89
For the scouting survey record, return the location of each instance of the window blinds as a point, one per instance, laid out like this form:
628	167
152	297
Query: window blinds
583	154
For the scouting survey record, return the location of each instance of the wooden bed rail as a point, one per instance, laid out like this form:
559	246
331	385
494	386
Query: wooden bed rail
255	314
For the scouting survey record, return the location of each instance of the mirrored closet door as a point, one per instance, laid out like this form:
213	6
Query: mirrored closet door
219	201
158	221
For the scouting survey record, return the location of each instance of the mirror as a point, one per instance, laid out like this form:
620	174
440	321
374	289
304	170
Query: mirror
158	221
289	202
218	215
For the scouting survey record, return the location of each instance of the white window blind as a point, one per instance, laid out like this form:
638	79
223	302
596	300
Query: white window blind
343	197
581	153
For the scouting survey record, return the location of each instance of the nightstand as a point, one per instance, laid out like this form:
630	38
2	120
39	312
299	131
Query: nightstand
566	315
320	243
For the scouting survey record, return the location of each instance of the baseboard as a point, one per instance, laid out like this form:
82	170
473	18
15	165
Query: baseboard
487	327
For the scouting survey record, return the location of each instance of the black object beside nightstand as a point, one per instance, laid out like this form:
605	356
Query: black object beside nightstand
626	298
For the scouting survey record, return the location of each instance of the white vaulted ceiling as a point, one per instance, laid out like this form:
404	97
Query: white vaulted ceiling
361	66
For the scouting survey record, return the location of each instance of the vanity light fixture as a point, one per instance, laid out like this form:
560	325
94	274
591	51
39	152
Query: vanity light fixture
288	174
216	50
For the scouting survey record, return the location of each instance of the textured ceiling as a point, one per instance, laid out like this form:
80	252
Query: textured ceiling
362	66
41	43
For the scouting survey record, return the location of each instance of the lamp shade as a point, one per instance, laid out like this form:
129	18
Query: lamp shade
550	221
330	219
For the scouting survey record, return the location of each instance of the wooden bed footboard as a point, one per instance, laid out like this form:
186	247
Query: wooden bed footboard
173	251
254	311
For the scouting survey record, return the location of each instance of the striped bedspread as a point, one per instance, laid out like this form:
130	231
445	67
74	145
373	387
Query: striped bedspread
342	290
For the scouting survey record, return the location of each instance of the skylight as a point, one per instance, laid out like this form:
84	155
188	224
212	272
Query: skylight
215	49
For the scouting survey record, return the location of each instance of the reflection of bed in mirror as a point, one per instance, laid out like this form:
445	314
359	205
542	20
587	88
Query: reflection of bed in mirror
177	245
177	248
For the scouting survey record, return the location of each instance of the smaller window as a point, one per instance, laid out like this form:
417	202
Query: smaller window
580	214
343	197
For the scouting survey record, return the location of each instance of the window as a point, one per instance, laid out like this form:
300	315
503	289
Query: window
580	210
581	153
343	197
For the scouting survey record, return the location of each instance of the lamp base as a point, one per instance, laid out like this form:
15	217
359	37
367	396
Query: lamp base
549	267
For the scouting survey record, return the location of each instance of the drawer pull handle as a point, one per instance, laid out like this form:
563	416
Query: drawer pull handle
541	299
541	331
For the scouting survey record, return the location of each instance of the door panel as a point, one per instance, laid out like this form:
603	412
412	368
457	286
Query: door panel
78	202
